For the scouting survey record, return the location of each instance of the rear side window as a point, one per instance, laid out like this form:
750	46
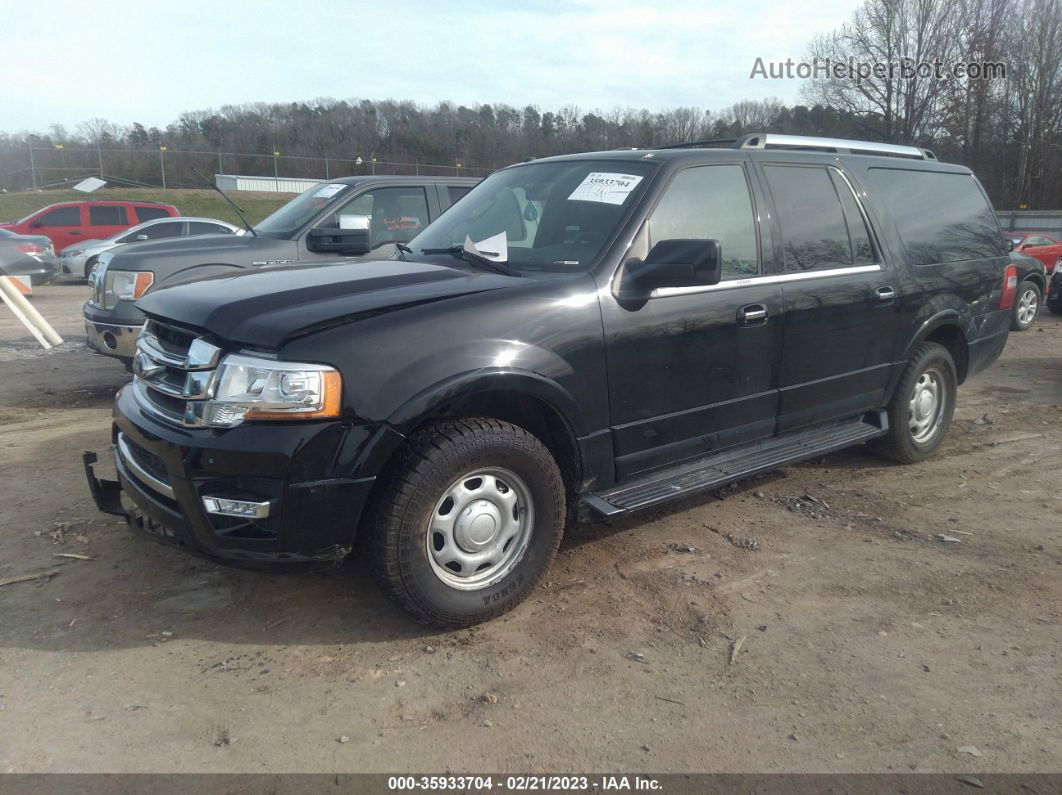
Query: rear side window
822	227
107	216
711	203
201	228
64	216
150	213
456	192
941	217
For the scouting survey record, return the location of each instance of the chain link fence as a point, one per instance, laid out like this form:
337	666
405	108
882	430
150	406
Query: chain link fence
55	165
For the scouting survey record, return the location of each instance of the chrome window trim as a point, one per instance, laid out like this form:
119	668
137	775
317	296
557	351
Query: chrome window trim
759	281
126	459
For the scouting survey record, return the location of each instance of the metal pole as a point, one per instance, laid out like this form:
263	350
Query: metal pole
326	167
416	166
372	157
99	153
276	172
33	167
220	169
162	165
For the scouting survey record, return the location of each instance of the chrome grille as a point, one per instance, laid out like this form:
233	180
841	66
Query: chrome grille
173	371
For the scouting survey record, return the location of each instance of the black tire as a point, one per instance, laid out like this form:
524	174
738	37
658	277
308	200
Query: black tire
397	521
1027	291
900	443
1054	309
89	264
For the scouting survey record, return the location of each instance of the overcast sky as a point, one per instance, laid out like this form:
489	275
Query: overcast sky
147	62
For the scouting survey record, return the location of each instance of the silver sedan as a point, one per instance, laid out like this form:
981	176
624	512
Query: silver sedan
79	258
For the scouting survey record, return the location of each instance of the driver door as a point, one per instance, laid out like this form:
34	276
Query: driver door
693	370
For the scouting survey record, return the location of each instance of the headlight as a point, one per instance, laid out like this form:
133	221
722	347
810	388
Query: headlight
128	285
72	252
249	388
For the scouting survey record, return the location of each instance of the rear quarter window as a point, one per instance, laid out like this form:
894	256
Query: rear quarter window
940	216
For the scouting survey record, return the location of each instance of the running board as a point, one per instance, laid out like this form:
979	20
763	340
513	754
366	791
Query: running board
713	472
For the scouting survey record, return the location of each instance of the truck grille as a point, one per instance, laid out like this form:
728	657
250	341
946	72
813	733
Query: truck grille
173	372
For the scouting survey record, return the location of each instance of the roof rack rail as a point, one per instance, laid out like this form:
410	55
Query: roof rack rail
775	141
709	142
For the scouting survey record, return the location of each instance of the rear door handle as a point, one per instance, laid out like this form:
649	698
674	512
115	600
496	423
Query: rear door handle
752	315
884	295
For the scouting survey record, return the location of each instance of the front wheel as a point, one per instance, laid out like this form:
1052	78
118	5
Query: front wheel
1026	307
922	406
466	521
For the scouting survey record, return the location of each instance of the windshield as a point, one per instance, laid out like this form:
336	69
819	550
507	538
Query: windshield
294	215
555	216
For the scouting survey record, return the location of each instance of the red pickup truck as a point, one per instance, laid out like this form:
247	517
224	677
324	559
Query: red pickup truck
73	222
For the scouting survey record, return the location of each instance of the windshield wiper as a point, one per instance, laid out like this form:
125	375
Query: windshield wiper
460	252
403	249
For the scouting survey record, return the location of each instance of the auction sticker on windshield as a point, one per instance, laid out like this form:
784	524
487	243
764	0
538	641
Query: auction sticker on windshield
328	191
605	187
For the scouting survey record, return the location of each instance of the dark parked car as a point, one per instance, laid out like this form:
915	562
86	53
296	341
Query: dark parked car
27	255
1054	296
305	230
1032	281
595	334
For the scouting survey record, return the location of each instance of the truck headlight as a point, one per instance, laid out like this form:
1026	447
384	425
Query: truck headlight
128	285
249	388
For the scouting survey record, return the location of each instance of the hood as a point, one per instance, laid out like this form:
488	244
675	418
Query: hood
197	245
264	308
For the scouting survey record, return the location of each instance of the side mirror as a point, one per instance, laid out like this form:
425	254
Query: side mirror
1024	246
141	237
37	224
350	237
1010	245
676	263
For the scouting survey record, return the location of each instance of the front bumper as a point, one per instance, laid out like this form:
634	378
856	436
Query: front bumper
312	474
112	333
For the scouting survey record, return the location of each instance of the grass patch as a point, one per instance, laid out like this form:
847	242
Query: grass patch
196	202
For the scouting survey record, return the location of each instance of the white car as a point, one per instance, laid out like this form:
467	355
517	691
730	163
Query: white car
79	258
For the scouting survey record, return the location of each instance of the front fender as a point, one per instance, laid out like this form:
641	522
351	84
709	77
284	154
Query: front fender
485	381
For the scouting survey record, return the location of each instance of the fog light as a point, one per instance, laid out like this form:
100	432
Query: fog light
241	508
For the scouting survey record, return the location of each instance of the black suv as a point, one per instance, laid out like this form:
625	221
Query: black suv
590	334
305	230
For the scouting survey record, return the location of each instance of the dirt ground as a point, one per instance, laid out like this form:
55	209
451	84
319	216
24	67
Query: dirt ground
886	618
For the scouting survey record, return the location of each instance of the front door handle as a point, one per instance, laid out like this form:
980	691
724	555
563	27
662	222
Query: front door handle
752	315
884	295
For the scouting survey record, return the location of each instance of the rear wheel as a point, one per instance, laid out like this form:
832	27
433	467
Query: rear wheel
466	521
922	406
1026	307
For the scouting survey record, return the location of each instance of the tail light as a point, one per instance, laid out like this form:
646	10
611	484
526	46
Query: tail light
1010	287
29	248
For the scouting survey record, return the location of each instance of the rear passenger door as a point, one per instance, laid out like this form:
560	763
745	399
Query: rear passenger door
840	299
106	220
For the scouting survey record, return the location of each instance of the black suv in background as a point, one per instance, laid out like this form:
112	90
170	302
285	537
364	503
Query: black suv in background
594	334
392	209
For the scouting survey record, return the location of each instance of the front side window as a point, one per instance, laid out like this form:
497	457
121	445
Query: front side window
711	203
395	214
107	216
555	216
64	216
156	231
203	228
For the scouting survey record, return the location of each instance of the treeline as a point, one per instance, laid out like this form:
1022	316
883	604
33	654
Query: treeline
1008	130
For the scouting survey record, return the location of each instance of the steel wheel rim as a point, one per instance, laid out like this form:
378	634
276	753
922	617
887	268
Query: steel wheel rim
926	407
1027	306
480	528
